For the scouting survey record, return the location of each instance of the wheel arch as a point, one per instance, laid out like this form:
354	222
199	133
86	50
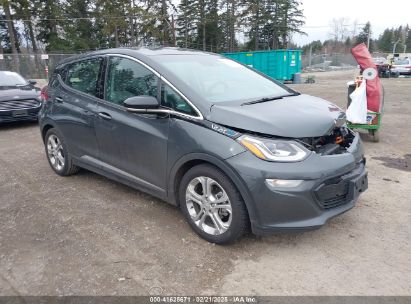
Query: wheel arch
47	126
189	161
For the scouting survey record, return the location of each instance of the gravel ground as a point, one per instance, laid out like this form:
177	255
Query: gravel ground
87	235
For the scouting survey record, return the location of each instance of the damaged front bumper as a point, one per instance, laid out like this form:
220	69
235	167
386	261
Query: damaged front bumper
330	185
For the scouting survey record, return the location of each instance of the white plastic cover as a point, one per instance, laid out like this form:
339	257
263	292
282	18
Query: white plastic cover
357	111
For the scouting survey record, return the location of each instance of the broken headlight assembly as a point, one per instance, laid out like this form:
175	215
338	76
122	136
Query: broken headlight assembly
336	142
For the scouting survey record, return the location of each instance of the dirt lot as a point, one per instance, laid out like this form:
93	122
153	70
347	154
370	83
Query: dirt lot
87	235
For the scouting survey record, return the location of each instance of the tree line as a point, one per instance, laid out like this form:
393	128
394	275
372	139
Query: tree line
343	39
34	26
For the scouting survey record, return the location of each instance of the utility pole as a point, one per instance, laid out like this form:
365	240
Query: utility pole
133	39
173	28
164	22
310	55
185	33
369	37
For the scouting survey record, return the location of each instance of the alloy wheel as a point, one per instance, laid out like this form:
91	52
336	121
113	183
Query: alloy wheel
208	205
55	152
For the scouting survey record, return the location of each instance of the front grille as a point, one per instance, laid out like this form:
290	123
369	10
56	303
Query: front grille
336	191
11	118
332	193
334	202
10	105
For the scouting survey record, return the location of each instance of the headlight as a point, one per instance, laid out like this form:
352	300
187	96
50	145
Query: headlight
274	149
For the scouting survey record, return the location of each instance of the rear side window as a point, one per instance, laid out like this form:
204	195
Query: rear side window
127	78
83	76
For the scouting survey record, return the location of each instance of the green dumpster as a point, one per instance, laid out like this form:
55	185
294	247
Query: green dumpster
278	64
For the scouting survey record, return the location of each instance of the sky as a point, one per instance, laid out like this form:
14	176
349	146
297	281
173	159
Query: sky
318	16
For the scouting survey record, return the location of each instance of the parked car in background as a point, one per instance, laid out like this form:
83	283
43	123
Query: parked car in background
379	60
231	147
383	66
402	67
19	98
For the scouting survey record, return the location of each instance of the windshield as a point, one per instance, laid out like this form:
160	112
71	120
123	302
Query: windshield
11	79
218	79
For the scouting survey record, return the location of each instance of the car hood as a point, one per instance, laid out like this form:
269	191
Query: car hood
296	116
15	94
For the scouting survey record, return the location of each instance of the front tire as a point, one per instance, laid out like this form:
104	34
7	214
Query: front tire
57	154
212	205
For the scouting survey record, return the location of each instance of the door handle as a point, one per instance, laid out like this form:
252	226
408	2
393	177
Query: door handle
58	99
104	115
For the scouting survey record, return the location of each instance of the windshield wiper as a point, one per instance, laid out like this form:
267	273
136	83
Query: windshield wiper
265	99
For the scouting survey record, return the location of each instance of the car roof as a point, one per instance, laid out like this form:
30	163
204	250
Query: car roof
137	52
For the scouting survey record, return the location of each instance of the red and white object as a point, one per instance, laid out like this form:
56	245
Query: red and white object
373	87
44	94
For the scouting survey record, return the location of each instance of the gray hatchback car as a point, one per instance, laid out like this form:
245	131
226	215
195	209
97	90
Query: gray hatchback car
234	149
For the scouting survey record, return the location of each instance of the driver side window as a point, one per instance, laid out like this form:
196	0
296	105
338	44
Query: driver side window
127	78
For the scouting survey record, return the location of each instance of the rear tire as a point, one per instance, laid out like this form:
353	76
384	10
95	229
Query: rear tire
57	154
212	205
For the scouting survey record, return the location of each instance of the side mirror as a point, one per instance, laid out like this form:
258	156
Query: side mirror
32	82
141	102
